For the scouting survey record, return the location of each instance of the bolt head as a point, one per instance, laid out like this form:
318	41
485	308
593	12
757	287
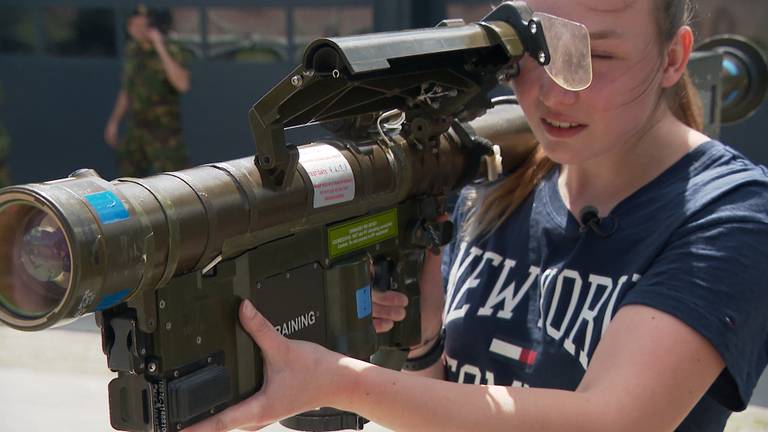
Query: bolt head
542	57
534	27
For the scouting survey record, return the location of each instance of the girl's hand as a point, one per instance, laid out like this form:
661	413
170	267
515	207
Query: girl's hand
389	306
298	376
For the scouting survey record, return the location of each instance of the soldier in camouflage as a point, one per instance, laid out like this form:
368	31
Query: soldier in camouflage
154	77
5	145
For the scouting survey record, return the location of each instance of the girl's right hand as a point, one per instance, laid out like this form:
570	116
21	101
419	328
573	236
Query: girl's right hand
389	306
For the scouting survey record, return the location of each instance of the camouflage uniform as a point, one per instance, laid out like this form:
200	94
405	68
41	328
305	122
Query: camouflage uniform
153	141
5	144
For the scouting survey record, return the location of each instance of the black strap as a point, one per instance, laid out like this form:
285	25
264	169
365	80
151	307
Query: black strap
478	147
428	358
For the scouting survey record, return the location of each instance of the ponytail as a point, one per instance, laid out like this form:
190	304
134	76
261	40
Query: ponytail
685	103
498	203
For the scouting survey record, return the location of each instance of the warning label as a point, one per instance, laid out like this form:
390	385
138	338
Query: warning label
362	232
330	173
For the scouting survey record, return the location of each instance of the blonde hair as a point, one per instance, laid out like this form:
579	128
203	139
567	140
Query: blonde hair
498	202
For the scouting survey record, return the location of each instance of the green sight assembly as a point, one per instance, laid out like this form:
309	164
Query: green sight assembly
305	232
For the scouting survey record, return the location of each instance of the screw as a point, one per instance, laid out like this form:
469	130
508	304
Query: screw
297	80
542	57
335	73
258	285
287	275
162	304
210	359
534	27
212	411
315	266
178	426
143	351
176	374
152	367
168	325
199	340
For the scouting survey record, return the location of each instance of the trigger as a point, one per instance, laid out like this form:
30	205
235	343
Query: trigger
383	270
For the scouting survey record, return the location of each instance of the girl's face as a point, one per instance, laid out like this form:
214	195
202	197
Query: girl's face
617	109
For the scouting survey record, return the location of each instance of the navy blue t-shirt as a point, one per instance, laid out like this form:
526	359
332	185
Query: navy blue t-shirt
527	305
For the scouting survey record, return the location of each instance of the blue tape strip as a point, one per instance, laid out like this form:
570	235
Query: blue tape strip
364	306
112	299
108	206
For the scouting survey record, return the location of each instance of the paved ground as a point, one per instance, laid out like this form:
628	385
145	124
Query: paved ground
57	380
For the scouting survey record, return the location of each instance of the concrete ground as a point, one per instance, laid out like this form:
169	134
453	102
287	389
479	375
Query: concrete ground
56	380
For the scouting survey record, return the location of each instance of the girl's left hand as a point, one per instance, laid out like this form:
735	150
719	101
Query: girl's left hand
298	376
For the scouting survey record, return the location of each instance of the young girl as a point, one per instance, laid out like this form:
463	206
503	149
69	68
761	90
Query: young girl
645	313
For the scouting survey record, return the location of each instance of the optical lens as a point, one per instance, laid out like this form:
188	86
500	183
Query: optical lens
35	261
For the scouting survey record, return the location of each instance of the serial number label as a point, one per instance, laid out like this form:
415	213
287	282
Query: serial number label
363	232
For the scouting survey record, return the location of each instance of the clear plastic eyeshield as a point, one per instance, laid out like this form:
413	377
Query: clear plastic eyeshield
570	56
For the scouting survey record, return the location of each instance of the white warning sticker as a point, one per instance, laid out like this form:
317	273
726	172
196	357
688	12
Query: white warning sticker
330	173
